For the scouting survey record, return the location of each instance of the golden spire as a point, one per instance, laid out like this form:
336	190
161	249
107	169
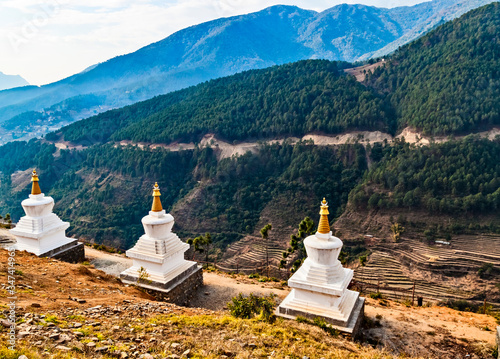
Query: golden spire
35	187
156	199
324	225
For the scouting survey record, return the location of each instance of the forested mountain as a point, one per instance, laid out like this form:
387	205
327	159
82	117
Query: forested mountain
11	81
448	81
222	47
294	99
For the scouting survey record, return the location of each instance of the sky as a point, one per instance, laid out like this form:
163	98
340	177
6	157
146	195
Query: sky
48	40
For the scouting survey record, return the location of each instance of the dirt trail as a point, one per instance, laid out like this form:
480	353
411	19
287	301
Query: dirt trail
360	71
217	289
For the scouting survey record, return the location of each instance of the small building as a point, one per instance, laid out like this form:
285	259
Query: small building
319	287
42	232
158	259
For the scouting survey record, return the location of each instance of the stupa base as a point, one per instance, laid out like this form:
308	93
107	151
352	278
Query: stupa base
72	252
349	328
179	290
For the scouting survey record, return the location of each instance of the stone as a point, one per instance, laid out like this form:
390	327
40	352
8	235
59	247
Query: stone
54	336
91	345
42	232
62	347
319	286
103	349
175	345
81	301
5	323
35	305
23	334
147	356
173	356
22	357
187	353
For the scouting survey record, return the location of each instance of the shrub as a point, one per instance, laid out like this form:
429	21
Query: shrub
376	295
247	307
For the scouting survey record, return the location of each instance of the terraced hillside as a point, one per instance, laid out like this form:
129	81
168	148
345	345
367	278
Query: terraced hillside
399	265
249	255
383	272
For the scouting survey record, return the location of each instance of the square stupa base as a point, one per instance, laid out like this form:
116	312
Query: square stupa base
72	252
179	290
350	329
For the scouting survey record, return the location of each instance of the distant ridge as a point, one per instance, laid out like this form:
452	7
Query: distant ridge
11	81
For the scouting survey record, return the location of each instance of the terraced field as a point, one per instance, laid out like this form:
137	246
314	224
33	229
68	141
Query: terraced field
249	256
385	273
463	255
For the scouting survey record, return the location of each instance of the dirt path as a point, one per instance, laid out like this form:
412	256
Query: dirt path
360	71
217	289
109	263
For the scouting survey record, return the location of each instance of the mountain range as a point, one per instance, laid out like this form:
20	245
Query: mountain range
276	35
11	81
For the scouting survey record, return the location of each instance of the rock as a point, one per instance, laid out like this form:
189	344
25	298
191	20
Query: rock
5	323
252	345
78	334
77	325
103	349
207	293
81	301
173	356
147	356
49	325
62	347
35	305
116	328
22	357
175	345
187	353
64	338
123	355
91	345
23	334
54	336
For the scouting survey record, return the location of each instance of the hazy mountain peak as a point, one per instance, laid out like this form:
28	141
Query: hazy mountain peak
11	81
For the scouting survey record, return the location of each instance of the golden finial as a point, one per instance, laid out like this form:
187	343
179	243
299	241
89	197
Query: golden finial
324	225
35	187
156	199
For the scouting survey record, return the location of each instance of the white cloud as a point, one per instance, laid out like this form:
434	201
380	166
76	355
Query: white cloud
51	39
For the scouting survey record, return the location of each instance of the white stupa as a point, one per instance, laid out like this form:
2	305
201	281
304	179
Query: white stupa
158	257
319	287
42	232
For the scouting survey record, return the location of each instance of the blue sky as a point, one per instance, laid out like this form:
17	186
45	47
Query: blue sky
47	40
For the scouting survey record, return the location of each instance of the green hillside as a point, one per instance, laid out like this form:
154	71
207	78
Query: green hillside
293	99
455	178
448	81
